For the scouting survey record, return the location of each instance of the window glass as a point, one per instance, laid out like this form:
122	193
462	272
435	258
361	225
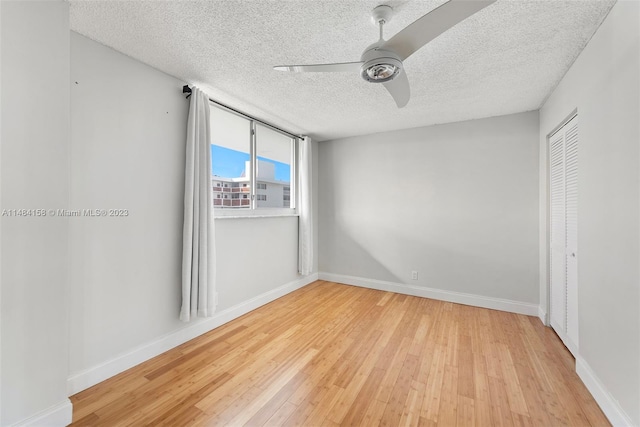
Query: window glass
274	168
230	158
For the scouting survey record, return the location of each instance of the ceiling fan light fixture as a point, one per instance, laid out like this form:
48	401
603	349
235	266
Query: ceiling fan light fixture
380	70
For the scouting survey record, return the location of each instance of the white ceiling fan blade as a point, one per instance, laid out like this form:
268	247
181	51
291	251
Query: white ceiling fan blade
431	25
326	68
399	89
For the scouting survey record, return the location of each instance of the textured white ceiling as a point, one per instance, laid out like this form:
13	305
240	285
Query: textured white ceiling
505	59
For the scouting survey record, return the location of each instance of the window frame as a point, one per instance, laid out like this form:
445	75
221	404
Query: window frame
254	210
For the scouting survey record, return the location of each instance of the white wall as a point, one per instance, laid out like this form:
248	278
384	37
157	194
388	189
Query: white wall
34	175
1	55
128	126
603	84
457	202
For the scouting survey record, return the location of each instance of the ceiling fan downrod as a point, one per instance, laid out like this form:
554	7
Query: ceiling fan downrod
380	65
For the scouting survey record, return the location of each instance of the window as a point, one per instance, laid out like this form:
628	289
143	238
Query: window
252	160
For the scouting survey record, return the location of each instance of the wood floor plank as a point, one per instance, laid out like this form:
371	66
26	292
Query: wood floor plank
421	335
373	415
385	297
273	405
482	413
393	369
220	399
330	354
230	408
466	413
466	368
500	411
351	391
431	400
88	420
568	401
411	413
448	410
277	383
281	415
354	354
320	368
480	377
535	405
188	356
86	407
516	399
321	410
593	413
400	392
358	409
306	406
175	409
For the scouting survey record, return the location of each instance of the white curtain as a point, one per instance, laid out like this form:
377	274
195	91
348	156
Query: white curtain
305	224
198	244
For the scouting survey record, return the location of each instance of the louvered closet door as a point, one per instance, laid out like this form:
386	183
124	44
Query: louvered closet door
563	149
571	210
558	244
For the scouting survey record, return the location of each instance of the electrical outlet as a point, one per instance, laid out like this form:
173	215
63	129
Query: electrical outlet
414	275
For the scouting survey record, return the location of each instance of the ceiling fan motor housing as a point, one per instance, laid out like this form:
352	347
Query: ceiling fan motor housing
379	65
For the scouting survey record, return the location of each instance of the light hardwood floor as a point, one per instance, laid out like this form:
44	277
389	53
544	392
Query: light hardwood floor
332	354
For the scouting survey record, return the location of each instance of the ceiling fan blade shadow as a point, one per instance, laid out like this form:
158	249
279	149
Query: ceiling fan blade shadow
431	25
399	89
342	67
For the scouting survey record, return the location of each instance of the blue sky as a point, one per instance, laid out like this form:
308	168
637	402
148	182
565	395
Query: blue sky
229	163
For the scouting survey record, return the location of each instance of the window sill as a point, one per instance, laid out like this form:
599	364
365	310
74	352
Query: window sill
253	214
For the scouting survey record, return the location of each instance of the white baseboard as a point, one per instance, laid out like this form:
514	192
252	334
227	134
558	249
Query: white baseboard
82	380
542	315
55	416
438	294
610	406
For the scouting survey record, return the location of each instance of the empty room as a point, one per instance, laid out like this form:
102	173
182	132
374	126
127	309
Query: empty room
318	213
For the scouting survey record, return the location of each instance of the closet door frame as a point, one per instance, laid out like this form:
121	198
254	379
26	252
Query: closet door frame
547	314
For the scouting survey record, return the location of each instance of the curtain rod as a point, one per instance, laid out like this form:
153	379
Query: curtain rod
187	89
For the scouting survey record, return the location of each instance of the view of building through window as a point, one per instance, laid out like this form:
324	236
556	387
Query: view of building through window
232	165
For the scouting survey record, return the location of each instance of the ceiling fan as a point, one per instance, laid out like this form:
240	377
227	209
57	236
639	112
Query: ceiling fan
381	62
